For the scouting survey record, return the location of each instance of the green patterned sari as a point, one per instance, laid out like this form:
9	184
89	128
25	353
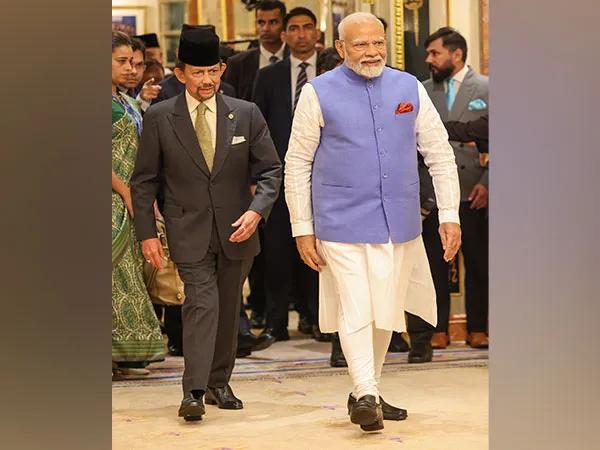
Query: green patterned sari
136	335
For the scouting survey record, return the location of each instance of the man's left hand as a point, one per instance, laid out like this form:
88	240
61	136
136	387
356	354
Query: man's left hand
479	197
150	90
451	239
246	224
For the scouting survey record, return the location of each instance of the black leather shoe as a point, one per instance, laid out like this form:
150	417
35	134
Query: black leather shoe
389	412
222	397
250	342
279	335
257	321
337	358
367	413
191	408
175	351
304	325
320	337
421	354
263	340
398	344
242	352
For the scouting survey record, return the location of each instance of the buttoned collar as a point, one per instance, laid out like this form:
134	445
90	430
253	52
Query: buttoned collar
192	103
267	54
295	62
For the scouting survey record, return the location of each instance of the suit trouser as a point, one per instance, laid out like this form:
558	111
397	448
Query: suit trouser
256	279
210	314
285	271
474	225
173	325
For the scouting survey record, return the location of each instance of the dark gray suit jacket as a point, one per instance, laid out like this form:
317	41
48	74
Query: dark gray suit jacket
170	167
470	172
242	69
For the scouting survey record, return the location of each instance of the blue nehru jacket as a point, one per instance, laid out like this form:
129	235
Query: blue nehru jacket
365	183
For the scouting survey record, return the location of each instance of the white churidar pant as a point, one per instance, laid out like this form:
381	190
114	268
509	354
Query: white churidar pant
364	291
375	283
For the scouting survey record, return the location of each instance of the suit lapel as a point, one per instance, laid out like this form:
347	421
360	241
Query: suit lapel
182	124
226	120
463	97
286	79
438	97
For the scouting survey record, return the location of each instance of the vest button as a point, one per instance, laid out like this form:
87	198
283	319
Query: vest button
375	106
380	129
385	175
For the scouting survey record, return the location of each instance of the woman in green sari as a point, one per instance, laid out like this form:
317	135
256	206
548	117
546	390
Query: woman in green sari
136	335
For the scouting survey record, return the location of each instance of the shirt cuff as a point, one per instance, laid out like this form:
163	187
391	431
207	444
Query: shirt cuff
448	215
302	229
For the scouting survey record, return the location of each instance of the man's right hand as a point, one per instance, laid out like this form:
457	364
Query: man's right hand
150	90
153	252
307	247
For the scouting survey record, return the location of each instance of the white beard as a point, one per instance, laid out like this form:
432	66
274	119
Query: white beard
366	71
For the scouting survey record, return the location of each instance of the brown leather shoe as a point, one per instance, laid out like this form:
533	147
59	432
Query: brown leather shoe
478	339
440	340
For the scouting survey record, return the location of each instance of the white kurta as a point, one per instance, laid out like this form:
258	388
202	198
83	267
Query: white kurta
370	282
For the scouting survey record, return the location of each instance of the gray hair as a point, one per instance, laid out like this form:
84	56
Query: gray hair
356	18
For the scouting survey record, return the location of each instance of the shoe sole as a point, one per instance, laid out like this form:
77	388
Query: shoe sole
263	345
338	364
376	426
363	415
192	418
210	401
192	413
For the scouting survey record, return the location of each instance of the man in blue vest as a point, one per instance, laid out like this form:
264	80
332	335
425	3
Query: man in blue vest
352	189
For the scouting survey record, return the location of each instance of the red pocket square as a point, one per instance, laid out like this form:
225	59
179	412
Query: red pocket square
404	107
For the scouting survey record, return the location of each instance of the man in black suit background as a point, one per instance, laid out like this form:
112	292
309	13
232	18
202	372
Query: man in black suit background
242	68
241	73
196	153
276	92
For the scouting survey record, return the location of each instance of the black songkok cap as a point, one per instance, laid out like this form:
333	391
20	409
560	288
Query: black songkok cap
150	40
199	46
188	27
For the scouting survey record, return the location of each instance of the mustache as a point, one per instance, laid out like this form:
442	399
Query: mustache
371	60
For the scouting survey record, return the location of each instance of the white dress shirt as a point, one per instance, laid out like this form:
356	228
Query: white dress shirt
266	54
211	114
432	143
458	79
311	71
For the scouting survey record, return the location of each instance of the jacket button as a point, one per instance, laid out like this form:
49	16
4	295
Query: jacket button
461	145
209	210
462	166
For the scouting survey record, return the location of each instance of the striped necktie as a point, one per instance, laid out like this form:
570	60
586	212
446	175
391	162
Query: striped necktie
300	82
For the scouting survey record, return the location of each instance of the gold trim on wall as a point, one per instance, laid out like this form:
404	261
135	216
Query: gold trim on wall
484	36
399	34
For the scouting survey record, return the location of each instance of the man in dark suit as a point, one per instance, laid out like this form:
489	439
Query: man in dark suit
459	94
197	154
242	68
276	92
241	73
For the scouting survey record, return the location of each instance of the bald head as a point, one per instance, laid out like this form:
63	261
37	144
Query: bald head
362	44
356	20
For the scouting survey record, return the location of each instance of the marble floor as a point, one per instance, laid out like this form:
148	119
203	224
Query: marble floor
301	408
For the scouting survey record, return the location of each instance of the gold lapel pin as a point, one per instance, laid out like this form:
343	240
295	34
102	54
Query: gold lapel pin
230	116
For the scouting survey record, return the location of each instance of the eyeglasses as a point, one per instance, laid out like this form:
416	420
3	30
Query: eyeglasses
362	46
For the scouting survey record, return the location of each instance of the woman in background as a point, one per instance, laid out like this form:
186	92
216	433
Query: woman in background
136	336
